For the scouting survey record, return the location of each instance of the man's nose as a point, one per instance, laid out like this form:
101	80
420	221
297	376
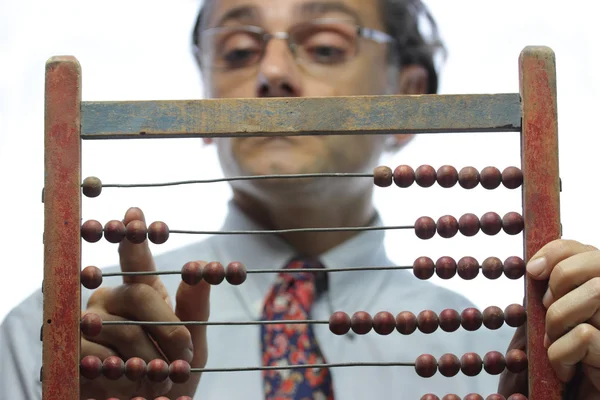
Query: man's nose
278	74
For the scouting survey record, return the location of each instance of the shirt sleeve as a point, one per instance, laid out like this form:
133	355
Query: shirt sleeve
21	351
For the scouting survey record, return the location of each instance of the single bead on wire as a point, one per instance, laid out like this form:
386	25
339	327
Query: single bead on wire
513	223
473	396
361	322
469	225
179	371
467	268
445	267
90	367
91	277
406	323
428	321
516	361
114	231
449	320
468	178
447	226
158	232
429	396
339	323
113	368
471	364
425	176
191	273
135	369
447	176
512	177
425	228
426	366
490	178
451	396
494	363
495	396
517	396
92	186
404	176
384	323
157	370
515	315
514	267
136	231
423	268
91	325
383	176
236	273
493	317
491	223
471	319
213	273
449	365
91	231
492	268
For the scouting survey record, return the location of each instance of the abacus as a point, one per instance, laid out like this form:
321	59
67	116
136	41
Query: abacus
532	112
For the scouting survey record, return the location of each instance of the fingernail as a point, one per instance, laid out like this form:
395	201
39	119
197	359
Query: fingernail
187	355
536	267
548	299
546	341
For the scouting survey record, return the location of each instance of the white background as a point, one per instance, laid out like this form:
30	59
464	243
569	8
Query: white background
139	50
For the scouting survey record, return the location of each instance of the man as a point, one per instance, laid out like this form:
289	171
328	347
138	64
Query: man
321	55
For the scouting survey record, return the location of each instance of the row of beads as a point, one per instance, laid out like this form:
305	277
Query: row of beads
474	396
116	231
490	223
447	176
135	369
428	321
468	268
471	364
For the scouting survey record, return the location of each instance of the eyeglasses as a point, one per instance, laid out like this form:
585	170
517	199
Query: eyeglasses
325	42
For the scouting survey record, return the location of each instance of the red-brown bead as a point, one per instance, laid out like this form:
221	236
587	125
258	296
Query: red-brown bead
492	268
471	364
404	176
517	396
513	223
158	232
473	396
425	228
451	397
135	369
426	366
91	231
236	273
515	315
113	368
490	178
449	365
429	396
91	325
406	323
213	273
516	361
114	231
92	187
423	268
339	323
191	273
136	232
447	176
428	321
490	223
514	267
495	396
90	367
157	370
91	277
361	323
384	323
425	176
471	319
445	267
449	320
512	177
468	268
494	363
468	178
493	317
447	226
179	371
468	225
383	176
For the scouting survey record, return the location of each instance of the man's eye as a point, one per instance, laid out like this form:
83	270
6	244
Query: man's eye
327	54
240	57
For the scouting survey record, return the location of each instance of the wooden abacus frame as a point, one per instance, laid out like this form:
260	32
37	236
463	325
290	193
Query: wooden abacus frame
69	120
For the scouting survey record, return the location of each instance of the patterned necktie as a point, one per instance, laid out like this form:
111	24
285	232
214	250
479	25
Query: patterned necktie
291	298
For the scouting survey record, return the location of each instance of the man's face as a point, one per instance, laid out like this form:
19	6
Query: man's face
278	73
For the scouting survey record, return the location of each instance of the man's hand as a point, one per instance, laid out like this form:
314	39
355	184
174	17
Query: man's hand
145	298
572	319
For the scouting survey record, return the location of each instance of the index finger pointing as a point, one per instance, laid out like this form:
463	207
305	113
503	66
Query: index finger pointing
136	257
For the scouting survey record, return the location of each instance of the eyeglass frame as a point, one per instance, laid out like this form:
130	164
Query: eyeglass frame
363	32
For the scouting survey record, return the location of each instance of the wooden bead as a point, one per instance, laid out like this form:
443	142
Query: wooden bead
135	369
423	268
445	268
113	368
92	187
384	323
383	176
471	319
91	231
339	323
426	366
429	396
473	396
492	268
158	232
236	273
495	396
471	364
361	323
404	176
451	397
493	317
91	277
515	315
468	178
90	367
425	228
191	273
91	325
428	321
469	225
516	361
513	223
406	323
447	176
494	363
114	231
447	226
514	267
213	273
512	177
449	365
467	268
179	371
157	370
490	223
425	176
490	178
136	232
449	320
517	396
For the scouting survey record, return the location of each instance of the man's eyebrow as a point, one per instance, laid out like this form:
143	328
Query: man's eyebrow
243	13
317	8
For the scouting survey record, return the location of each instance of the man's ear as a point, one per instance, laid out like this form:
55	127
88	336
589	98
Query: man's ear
413	80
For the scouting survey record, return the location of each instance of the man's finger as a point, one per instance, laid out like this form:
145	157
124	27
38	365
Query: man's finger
540	266
571	273
582	344
136	257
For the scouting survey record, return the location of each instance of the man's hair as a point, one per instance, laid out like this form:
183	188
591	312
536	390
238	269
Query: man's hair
403	20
